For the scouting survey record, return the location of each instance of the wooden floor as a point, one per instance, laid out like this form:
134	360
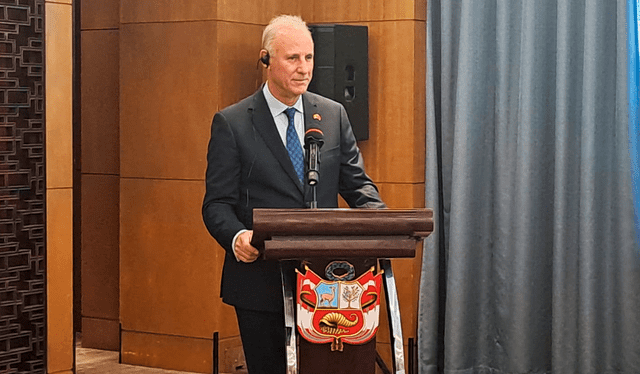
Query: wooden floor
94	361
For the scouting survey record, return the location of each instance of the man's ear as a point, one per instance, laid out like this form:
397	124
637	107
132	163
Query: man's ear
264	57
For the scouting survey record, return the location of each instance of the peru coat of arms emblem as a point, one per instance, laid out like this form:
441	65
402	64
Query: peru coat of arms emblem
338	311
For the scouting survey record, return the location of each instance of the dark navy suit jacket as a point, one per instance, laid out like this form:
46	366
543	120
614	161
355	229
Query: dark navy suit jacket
249	167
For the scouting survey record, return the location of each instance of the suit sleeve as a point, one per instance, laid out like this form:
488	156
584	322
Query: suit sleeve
222	184
356	188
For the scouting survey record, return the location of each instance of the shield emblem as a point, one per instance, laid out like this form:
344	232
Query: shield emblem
338	312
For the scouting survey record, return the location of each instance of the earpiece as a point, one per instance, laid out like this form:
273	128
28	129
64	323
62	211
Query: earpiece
265	59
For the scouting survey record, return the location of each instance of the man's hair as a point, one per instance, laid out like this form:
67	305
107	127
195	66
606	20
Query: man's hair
277	23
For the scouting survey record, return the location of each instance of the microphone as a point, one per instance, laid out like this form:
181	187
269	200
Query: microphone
313	141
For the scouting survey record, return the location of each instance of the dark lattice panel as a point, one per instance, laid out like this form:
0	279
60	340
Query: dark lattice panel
22	187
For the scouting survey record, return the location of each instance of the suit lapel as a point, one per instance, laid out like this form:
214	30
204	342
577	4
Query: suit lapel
311	115
266	127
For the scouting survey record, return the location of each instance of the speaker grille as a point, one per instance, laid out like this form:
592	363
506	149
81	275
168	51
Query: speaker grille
341	71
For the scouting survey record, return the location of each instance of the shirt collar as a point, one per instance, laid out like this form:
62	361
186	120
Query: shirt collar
276	106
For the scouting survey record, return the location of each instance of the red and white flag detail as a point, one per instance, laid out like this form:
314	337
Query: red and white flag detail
338	311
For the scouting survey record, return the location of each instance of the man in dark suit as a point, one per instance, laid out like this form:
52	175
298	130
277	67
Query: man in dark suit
254	162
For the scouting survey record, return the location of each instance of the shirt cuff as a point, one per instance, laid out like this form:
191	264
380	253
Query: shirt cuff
233	243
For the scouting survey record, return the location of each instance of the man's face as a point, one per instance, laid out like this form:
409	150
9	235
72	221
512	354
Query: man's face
291	65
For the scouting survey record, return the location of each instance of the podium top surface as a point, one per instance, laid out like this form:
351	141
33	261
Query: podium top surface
347	223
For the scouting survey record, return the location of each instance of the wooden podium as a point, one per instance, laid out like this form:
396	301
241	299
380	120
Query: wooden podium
318	239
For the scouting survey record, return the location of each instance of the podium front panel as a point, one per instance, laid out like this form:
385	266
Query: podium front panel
353	359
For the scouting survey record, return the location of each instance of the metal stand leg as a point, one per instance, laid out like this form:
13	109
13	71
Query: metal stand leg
289	324
393	309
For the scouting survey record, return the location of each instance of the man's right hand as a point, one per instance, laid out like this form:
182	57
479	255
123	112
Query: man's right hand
243	249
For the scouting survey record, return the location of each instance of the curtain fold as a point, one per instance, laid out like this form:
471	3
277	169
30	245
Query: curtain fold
533	264
633	18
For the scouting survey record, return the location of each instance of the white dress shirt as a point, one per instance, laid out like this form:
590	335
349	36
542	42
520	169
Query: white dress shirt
277	109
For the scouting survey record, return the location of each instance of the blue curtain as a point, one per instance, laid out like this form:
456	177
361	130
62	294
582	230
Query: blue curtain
634	128
533	264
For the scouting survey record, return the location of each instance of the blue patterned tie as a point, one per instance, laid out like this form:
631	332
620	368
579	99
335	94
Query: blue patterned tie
293	145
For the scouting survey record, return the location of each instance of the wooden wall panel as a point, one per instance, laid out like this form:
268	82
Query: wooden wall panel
167	352
59	179
402	196
100	102
395	152
171	85
420	99
168	90
259	11
99	14
58	52
100	241
333	11
247	11
100	169
136	11
407	275
170	267
237	64
101	333
59	280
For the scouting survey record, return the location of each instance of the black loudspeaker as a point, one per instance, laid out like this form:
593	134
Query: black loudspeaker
341	71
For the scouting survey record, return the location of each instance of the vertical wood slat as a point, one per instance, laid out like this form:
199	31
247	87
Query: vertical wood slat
99	196
58	30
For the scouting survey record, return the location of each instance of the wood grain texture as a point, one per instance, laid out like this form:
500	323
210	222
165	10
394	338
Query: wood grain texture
100	246
58	105
59	183
100	333
402	196
339	247
407	275
99	14
167	352
171	86
167	97
100	92
396	149
258	12
170	267
237	63
340	222
333	11
59	280
136	11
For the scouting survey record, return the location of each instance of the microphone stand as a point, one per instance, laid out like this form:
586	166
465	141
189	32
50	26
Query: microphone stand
313	142
314	202
312	173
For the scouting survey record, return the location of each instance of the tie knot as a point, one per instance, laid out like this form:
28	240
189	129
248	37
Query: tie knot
290	112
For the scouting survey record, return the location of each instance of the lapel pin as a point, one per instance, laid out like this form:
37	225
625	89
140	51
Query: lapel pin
317	117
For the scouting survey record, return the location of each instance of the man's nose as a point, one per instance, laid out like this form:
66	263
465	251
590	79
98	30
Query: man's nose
305	67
